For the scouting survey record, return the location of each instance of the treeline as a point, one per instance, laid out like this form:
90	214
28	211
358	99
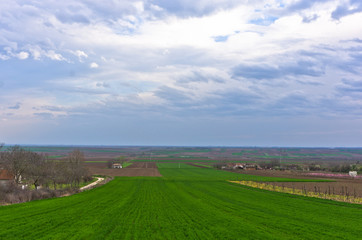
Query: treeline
36	169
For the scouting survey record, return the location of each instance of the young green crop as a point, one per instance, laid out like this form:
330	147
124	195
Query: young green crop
187	203
182	171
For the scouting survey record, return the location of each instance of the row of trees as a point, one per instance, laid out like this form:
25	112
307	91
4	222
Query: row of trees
39	170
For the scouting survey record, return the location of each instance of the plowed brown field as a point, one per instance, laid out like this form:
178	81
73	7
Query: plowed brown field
138	169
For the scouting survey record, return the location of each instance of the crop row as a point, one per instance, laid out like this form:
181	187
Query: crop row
302	192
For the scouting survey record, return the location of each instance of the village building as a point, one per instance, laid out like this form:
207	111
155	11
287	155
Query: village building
352	174
6	177
116	165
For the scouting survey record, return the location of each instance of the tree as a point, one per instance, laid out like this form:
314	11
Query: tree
122	160
37	171
75	167
15	160
109	163
56	173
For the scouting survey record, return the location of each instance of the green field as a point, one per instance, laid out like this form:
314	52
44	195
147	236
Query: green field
186	203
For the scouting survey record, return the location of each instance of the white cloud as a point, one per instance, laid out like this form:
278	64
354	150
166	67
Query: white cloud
23	55
81	55
54	56
94	65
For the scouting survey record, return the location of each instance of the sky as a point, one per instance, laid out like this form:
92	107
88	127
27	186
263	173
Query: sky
181	72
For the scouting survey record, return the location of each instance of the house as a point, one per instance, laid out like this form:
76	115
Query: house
6	177
116	165
251	167
238	166
352	174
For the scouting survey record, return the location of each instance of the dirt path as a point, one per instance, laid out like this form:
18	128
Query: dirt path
99	179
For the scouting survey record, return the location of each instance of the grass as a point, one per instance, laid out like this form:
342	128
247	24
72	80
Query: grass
203	165
126	164
187	203
182	171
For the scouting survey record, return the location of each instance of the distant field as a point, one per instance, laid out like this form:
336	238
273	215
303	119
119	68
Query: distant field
207	154
186	203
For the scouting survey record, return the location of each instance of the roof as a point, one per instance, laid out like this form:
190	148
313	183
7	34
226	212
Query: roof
6	175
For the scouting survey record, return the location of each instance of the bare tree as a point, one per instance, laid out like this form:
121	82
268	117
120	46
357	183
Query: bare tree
15	160
122	160
110	163
37	170
1	153
56	173
75	167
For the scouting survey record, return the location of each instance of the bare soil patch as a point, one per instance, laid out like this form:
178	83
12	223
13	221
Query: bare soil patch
138	169
142	165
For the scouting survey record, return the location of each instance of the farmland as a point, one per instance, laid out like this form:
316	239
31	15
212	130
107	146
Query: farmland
186	203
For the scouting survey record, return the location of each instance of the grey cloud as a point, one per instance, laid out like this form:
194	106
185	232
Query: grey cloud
293	100
44	115
257	72
352	65
72	18
16	106
352	83
102	85
197	76
174	96
350	86
299	68
357	40
292	104
187	8
303	4
353	6
50	108
234	98
308	19
357	58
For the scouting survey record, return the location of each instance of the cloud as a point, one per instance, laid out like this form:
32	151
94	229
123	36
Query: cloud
102	85
311	18
174	96
94	65
230	62
16	106
54	56
23	55
196	76
263	71
187	8
44	115
80	54
72	18
345	9
349	85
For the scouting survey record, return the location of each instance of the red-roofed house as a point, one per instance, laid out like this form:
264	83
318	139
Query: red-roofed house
6	177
